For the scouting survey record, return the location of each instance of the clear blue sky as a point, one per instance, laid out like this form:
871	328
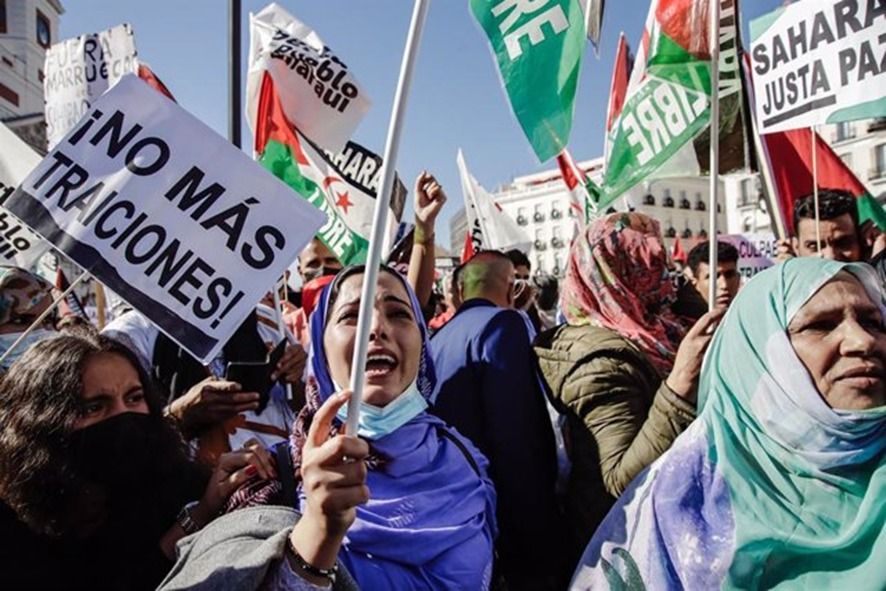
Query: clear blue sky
457	100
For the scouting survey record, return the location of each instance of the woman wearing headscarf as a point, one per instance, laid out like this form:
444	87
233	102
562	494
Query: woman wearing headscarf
622	370
405	505
23	297
781	480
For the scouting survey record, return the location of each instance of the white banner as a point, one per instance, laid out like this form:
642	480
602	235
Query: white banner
490	226
78	71
756	252
181	224
18	245
319	95
821	61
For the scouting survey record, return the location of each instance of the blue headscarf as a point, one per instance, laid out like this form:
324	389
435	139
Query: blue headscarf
430	521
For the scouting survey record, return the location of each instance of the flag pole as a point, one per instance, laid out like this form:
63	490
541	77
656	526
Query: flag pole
101	306
234	12
281	328
44	315
815	188
714	174
380	218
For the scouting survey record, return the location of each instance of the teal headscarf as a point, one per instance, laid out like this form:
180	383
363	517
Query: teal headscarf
769	487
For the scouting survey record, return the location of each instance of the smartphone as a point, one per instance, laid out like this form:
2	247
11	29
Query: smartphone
255	376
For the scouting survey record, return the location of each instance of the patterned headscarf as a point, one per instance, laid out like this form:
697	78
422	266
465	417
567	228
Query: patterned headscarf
23	295
617	278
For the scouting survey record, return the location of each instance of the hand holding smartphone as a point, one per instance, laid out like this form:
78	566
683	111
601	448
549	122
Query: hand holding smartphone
255	376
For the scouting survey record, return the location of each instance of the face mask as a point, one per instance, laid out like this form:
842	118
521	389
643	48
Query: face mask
377	422
6	341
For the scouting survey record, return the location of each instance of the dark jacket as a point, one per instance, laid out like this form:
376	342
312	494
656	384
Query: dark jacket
620	416
488	388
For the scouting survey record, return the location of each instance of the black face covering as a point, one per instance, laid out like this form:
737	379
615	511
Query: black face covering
137	460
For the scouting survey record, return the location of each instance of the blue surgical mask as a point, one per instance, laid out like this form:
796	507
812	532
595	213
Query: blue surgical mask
377	422
6	341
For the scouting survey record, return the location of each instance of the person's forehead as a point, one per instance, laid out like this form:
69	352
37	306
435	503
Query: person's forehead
352	287
839	225
836	294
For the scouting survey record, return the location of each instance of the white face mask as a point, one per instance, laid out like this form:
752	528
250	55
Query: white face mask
376	422
6	341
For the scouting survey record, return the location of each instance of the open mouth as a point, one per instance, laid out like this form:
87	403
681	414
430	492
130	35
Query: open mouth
380	364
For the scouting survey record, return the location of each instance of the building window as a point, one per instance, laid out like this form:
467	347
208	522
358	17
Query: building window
8	94
879	162
538	216
699	204
845	131
702	233
687	233
539	264
649	199
558	264
668	201
671	232
3	17
44	34
521	216
847	159
747	225
745	199
684	203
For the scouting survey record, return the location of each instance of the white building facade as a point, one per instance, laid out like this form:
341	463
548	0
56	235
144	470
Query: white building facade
27	29
539	203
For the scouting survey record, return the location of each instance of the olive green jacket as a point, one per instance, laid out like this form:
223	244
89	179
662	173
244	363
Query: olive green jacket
620	416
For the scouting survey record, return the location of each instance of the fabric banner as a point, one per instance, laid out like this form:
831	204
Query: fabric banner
593	11
19	246
819	62
319	95
77	71
538	47
343	185
489	226
663	128
618	88
756	252
170	216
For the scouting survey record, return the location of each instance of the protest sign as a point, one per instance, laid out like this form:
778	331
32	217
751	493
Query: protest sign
819	62
18	245
538	47
78	71
177	221
322	98
756	252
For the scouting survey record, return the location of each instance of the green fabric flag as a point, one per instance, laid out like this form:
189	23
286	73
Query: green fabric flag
538	47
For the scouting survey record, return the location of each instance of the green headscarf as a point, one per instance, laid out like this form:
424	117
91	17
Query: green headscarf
770	487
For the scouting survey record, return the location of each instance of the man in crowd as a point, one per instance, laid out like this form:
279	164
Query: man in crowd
488	389
838	228
727	277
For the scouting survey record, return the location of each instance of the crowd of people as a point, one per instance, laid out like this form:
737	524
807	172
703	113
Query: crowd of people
610	430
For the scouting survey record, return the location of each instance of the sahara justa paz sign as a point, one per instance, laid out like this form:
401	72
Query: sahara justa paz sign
819	62
173	218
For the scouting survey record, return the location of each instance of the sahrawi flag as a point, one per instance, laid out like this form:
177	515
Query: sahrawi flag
583	192
538	47
663	127
489	227
342	185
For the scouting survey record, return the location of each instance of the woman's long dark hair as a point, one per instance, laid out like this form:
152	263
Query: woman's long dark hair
40	400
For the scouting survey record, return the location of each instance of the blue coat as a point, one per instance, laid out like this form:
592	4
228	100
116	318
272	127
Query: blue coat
488	389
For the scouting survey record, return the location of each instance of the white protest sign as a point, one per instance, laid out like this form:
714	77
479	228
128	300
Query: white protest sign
79	70
181	224
18	245
817	62
318	93
756	252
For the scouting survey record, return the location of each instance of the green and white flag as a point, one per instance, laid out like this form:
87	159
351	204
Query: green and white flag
663	129
538	47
